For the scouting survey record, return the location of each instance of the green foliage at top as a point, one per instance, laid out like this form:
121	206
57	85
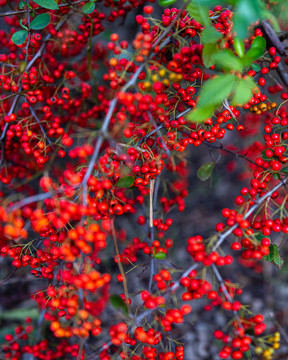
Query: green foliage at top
47	4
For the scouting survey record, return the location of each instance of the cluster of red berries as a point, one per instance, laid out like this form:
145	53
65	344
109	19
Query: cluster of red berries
52	104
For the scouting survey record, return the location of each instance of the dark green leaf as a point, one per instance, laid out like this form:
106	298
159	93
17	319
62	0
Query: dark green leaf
199	12
274	256
21	4
125	182
200	114
216	90
226	60
40	21
118	303
255	67
208	52
165	2
260	236
205	171
160	255
243	91
239	46
256	50
276	176
19	37
252	55
23	26
47	4
285	170
210	35
259	43
88	8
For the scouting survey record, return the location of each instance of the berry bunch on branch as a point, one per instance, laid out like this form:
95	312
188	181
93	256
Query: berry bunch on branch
100	138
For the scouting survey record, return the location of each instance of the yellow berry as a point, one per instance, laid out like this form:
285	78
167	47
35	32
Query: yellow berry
166	82
162	72
147	85
154	77
258	350
173	77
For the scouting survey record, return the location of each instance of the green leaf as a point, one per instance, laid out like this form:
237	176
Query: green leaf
208	52
255	67
274	256
164	2
226	60
199	12
47	4
246	12
160	255
251	56
205	171
259	43
19	314
125	182
118	303
19	37
285	170
216	90
21	4
210	35
256	50
243	91
259	236
276	176
23	26
40	22
88	8
239	46
200	114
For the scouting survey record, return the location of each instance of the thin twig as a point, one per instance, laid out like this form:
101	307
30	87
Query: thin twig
30	200
119	263
225	292
41	127
151	231
257	203
222	148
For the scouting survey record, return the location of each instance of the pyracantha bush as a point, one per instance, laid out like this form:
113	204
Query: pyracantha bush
97	132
